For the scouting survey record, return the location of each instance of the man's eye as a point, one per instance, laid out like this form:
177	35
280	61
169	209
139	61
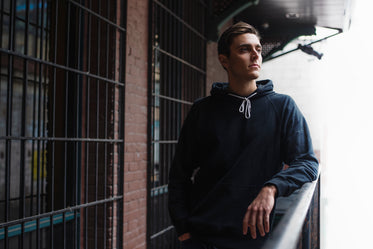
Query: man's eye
243	49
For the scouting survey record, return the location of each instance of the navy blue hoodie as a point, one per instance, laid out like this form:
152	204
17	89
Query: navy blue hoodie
228	149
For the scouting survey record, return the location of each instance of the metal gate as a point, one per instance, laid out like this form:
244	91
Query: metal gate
178	52
61	123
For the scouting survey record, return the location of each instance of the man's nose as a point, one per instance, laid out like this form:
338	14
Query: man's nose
255	54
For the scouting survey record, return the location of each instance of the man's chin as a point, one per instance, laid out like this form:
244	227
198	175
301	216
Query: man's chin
253	76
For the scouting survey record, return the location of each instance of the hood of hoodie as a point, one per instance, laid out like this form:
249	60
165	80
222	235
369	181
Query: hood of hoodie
221	88
264	87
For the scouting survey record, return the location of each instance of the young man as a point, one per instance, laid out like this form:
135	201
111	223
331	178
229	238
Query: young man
228	166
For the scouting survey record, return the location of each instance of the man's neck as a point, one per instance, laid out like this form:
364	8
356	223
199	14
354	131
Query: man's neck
242	88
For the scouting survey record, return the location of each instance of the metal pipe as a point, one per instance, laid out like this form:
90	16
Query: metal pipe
23	129
78	125
88	117
9	107
61	211
63	139
53	121
179	59
97	126
65	68
100	17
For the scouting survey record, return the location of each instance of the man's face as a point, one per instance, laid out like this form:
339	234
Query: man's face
245	59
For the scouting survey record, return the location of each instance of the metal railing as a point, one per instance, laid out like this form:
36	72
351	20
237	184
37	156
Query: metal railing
300	225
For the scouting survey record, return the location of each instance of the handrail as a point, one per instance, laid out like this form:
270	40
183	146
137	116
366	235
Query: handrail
287	232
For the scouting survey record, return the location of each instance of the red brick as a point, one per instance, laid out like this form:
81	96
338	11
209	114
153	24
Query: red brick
136	102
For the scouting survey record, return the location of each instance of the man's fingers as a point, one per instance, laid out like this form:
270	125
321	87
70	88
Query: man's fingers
266	222
258	213
184	236
256	218
245	222
252	222
259	222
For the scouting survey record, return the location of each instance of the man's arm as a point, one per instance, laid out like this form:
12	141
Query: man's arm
179	185
297	152
303	166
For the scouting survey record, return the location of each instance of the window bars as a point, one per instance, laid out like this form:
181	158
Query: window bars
178	49
61	123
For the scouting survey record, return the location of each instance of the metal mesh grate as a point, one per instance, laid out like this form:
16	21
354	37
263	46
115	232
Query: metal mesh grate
178	78
269	47
61	135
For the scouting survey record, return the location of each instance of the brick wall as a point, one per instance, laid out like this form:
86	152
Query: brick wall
135	158
214	71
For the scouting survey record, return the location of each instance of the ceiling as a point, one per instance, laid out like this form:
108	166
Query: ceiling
281	21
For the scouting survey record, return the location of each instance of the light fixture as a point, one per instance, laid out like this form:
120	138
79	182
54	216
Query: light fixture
309	50
292	15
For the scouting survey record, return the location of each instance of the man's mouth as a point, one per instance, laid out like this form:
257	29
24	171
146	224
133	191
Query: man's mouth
254	65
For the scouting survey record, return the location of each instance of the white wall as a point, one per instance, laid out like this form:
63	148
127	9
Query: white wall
297	74
335	94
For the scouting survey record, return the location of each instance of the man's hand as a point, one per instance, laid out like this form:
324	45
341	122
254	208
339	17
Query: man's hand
184	236
257	214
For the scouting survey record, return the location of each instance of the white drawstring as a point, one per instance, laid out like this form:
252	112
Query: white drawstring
245	107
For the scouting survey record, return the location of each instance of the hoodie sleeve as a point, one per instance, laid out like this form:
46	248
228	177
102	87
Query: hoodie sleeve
297	152
182	167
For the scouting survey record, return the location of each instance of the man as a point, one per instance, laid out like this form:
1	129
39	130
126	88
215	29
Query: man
228	166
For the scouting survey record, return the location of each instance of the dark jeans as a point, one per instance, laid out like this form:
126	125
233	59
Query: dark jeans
195	244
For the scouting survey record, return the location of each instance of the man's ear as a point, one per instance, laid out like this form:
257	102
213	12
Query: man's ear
223	60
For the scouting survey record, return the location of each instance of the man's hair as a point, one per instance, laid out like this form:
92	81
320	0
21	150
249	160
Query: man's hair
225	40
